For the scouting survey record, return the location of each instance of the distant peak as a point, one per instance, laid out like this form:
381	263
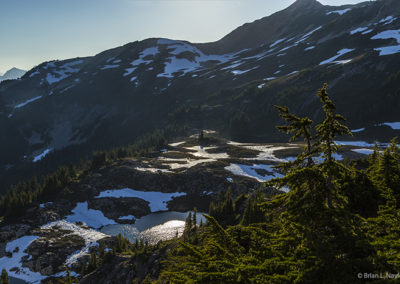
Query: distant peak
306	4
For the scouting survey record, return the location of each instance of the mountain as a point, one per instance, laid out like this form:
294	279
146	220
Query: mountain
170	110
61	111
13	73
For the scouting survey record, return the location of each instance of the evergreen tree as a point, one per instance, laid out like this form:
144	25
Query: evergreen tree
326	132
4	277
300	127
68	279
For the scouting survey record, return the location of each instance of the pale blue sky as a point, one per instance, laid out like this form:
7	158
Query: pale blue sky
33	31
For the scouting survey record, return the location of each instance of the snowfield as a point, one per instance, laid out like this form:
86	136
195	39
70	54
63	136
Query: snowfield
62	72
250	171
174	64
389	34
393	125
151	51
17	248
92	218
202	152
90	236
157	200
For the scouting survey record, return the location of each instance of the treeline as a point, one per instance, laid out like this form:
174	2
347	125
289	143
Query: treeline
40	189
339	221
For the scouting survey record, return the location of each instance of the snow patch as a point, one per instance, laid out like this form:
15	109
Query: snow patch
176	144
388	20
128	217
90	236
367	31
157	200
292	73
388	50
151	51
339	12
92	218
358	30
62	72
109	66
250	171
27	102
34	74
393	125
240	72
339	53
153	170
276	42
15	261
355	143
174	64
202	152
363	151
307	35
357	130
42	155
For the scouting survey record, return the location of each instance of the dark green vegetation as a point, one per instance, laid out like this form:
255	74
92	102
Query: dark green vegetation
44	188
4	277
338	220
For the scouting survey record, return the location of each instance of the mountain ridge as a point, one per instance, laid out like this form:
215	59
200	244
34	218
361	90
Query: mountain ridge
84	104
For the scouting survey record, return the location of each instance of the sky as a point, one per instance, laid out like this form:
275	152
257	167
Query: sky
34	31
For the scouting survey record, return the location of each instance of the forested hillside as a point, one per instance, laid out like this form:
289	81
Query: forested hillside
337	224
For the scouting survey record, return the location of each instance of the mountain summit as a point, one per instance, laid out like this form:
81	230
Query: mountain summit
306	4
296	18
13	73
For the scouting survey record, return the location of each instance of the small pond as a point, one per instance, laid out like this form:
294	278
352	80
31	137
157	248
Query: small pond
153	227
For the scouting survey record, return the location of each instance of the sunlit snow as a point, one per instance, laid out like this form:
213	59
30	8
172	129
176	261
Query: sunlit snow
174	64
151	51
388	50
339	12
109	66
250	171
358	130
339	53
157	200
27	102
90	236
358	30
92	218
42	155
363	151
14	261
61	72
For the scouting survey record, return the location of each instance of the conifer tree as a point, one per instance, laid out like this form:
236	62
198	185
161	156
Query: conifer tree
326	132
301	128
4	277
